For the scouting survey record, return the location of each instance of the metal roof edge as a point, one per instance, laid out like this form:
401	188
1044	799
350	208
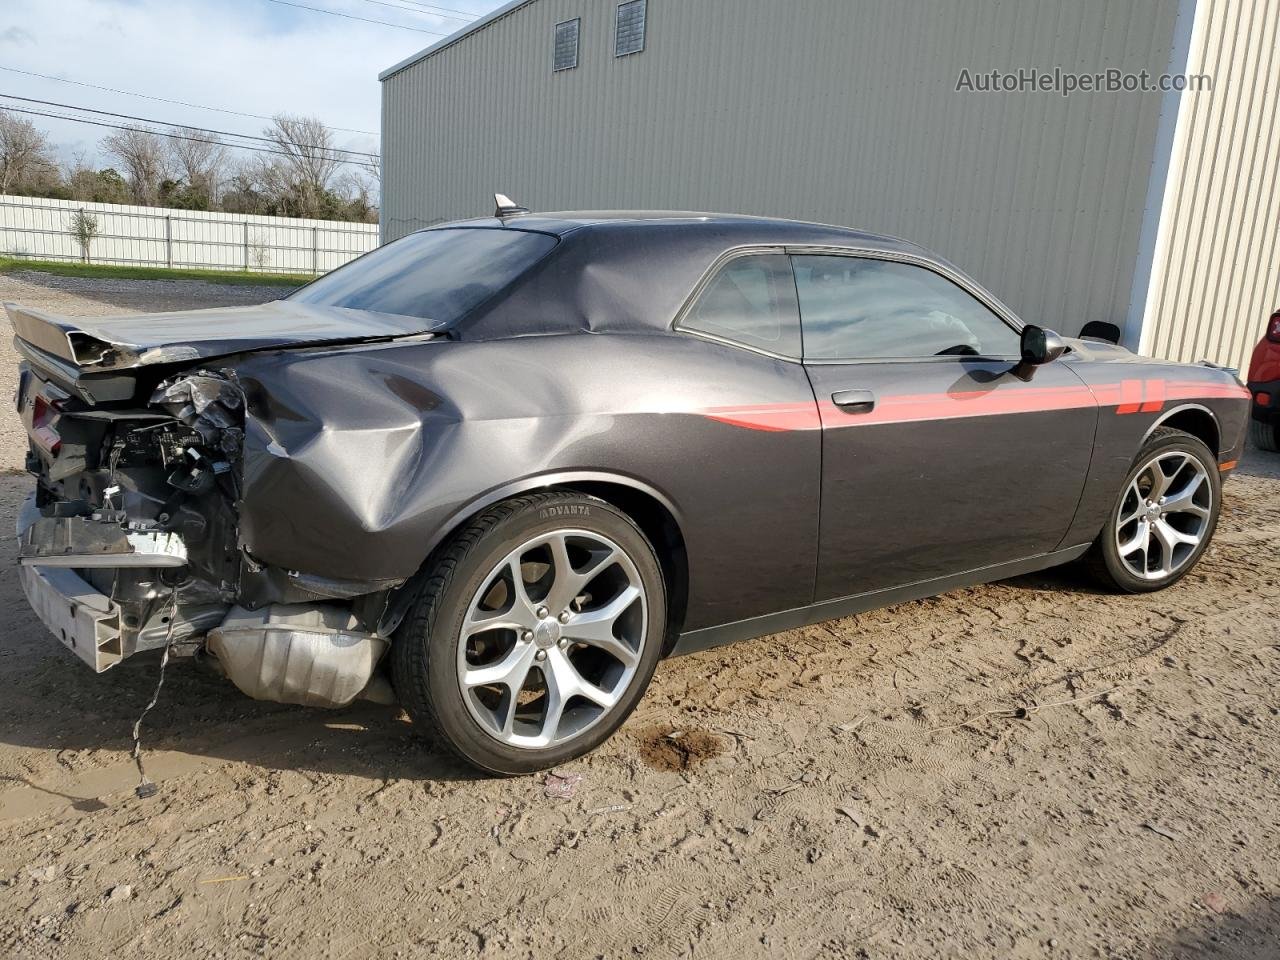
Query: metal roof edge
453	38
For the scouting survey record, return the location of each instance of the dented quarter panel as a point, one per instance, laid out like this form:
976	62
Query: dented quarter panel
357	461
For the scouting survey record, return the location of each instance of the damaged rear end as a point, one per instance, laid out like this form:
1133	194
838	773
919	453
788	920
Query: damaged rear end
131	539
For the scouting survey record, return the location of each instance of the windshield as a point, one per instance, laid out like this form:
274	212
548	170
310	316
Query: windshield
436	275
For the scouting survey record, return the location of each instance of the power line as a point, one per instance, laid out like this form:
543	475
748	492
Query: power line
145	96
364	154
170	135
352	16
422	11
468	14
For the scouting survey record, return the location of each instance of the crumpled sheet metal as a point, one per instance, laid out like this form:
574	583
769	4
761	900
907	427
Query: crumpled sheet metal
355	460
334	454
210	403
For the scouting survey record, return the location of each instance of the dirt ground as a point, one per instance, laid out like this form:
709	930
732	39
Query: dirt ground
1028	769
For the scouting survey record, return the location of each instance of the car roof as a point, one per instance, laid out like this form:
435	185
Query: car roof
747	228
631	271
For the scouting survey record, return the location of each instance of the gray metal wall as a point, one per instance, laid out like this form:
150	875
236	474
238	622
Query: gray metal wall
843	111
1216	277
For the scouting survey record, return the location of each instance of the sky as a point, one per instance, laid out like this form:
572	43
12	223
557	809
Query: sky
253	56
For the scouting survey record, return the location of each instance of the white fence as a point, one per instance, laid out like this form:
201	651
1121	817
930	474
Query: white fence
41	229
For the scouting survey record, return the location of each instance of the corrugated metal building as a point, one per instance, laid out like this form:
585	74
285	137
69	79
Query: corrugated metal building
1153	210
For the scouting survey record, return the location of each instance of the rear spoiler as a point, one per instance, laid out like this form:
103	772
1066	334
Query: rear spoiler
60	337
94	345
93	388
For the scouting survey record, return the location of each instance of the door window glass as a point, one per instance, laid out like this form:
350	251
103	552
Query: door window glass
855	308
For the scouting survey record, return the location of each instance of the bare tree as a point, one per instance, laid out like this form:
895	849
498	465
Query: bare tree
259	252
304	174
356	188
93	186
200	160
144	158
25	154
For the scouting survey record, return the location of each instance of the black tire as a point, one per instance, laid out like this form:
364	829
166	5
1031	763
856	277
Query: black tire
424	655
1264	435
1103	559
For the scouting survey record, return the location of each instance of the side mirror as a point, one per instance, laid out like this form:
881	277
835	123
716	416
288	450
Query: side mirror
1100	330
1039	346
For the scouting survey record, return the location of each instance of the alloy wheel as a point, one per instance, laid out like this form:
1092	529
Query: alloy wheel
552	639
1164	515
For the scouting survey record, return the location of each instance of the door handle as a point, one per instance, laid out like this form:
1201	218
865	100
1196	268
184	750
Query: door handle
855	401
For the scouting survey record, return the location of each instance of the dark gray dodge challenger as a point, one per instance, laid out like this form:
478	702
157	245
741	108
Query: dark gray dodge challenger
513	462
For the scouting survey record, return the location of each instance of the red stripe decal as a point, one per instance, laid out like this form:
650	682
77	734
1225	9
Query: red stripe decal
907	408
1128	396
770	417
1131	394
1155	394
1195	390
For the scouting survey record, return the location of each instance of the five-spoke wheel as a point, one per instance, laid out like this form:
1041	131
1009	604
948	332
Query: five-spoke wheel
552	638
536	634
1164	516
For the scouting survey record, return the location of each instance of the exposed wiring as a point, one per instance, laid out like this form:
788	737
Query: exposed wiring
146	788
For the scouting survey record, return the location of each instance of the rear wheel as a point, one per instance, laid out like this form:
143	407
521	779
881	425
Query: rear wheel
1265	435
536	634
1164	517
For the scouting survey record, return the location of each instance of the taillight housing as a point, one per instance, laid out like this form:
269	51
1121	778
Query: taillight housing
1273	328
44	416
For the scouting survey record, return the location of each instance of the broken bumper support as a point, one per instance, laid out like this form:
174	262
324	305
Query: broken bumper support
84	619
308	653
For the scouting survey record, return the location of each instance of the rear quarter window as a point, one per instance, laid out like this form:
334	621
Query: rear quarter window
751	301
438	275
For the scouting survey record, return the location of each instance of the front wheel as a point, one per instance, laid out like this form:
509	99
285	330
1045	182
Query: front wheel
1163	519
536	633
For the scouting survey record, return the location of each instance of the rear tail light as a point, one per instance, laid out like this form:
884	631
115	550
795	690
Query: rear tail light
44	417
1273	328
1263	399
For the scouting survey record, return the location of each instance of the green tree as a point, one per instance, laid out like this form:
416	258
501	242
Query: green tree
84	227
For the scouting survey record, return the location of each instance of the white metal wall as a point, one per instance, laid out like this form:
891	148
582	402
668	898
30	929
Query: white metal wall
1216	278
843	111
157	236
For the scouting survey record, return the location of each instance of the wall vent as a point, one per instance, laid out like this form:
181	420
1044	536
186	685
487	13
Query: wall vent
629	37
566	46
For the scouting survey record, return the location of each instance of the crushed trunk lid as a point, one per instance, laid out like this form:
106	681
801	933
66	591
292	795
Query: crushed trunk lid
129	342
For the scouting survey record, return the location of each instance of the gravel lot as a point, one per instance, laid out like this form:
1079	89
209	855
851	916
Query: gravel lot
861	788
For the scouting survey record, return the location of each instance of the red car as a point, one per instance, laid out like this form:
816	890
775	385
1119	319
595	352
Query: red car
1264	385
